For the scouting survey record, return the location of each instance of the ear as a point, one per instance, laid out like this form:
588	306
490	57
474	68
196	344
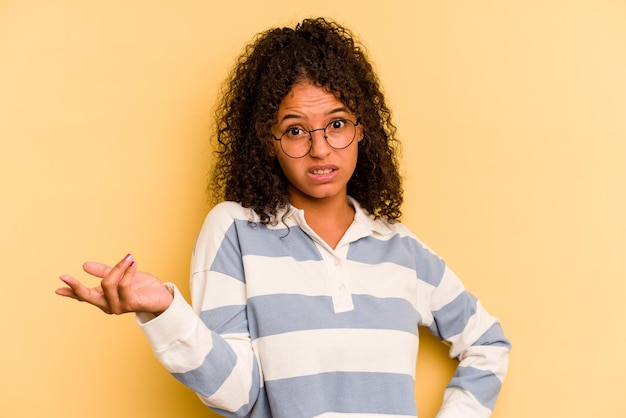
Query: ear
359	132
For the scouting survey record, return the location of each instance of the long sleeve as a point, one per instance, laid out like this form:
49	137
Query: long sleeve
207	347
477	341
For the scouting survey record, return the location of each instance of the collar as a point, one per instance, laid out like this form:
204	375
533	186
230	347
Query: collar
364	223
363	219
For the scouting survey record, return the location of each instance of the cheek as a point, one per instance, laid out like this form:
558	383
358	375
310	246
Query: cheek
285	163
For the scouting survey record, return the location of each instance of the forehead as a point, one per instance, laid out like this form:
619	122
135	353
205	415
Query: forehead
306	98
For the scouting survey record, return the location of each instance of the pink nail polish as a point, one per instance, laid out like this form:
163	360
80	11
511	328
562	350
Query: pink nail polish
128	257
133	264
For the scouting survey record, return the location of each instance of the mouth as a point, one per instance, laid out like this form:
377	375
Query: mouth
322	171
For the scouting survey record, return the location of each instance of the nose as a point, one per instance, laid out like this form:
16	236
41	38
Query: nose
319	146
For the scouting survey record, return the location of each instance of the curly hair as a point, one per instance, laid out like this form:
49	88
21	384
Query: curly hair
326	54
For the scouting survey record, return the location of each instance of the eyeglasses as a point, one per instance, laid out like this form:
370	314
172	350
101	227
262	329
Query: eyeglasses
297	142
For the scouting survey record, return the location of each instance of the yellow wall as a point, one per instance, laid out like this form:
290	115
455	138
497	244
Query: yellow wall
513	115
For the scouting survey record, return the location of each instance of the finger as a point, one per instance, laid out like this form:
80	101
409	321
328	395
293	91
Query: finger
110	283
76	290
96	269
125	288
67	292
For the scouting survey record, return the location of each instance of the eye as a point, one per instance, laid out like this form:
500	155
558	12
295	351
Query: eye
337	124
295	132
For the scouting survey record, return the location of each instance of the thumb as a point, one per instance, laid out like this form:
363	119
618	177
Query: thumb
96	269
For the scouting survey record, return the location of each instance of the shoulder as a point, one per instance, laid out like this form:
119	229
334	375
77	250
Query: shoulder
397	237
228	209
227	212
218	222
381	228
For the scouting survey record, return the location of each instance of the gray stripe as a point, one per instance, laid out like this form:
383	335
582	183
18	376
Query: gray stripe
404	251
217	366
483	384
228	256
227	319
344	392
258	407
453	317
256	239
494	336
277	314
244	238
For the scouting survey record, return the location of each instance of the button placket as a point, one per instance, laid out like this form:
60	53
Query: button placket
339	283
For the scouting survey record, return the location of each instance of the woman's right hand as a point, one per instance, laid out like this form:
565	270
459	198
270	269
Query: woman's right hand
122	289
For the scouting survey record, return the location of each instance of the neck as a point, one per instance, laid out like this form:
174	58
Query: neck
328	218
328	208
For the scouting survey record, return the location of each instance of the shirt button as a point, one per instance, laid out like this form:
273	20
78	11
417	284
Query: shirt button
342	287
337	261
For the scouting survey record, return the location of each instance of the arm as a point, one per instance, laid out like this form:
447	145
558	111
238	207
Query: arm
220	368
207	346
477	341
218	364
198	357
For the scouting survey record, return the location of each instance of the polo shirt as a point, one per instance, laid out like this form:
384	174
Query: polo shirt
282	325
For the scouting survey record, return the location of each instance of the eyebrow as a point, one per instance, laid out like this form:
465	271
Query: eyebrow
330	112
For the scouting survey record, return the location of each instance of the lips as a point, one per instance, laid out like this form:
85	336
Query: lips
322	173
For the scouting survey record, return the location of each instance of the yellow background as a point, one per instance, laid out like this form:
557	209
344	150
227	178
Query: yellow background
513	116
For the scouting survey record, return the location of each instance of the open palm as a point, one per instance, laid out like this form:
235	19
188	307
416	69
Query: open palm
122	289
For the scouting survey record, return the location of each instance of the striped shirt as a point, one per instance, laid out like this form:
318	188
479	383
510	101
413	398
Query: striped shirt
282	325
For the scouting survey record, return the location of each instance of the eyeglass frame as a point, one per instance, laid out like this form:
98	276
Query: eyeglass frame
355	124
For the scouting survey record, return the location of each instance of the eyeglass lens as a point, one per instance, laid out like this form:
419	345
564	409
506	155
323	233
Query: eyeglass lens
297	142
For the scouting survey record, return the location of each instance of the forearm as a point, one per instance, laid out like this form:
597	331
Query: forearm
478	379
221	370
477	341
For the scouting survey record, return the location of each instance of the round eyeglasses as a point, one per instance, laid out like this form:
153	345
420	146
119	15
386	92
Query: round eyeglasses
297	142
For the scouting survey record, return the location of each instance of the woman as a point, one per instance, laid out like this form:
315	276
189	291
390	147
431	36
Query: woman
307	293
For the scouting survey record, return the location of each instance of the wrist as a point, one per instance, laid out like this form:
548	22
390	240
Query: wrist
166	299
164	302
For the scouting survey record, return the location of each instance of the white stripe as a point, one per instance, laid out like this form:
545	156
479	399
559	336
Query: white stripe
188	354
487	357
449	288
285	277
223	291
476	326
305	353
398	282
458	403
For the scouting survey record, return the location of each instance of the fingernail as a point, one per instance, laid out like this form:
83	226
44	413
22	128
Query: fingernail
128	257
133	264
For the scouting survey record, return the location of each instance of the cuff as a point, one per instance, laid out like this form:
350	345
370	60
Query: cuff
171	326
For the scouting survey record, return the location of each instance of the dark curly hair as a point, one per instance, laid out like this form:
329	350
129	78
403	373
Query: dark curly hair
326	54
